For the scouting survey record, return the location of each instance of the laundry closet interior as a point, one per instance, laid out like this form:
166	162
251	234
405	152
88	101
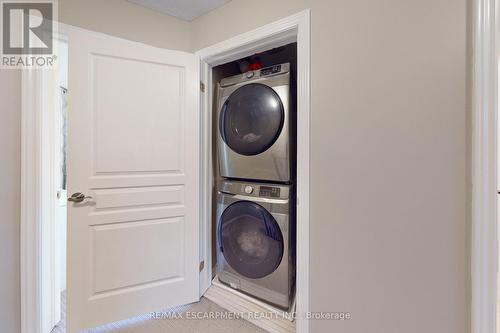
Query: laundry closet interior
253	175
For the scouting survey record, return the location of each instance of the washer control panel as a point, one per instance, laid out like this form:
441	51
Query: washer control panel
269	191
250	189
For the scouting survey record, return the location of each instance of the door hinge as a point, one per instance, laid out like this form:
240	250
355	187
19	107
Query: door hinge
202	265
202	87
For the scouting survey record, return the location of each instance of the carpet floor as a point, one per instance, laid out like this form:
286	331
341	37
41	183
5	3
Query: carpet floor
175	320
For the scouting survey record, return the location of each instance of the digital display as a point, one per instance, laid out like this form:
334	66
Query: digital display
270	70
269	191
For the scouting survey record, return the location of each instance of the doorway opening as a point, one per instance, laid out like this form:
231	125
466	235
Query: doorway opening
254	164
53	190
291	31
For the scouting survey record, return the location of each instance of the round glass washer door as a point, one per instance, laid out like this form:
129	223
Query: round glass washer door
251	119
250	239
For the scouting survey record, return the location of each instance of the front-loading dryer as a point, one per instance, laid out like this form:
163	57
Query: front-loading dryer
256	125
256	239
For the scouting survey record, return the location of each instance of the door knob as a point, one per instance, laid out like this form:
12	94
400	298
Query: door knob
78	197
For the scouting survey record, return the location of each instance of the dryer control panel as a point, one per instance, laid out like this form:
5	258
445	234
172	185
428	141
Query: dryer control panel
257	74
269	191
270	70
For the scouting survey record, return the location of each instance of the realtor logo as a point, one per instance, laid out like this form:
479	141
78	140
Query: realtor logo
27	33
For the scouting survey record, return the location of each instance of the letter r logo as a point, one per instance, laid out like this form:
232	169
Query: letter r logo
27	27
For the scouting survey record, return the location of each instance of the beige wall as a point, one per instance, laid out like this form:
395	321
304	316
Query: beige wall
388	157
124	19
10	186
388	218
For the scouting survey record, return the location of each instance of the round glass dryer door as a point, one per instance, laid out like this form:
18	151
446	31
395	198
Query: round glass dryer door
250	239
251	119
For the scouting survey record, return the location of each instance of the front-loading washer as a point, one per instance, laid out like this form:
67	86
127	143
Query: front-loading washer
256	125
256	239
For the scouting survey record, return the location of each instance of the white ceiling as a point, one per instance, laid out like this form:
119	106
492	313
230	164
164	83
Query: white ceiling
184	9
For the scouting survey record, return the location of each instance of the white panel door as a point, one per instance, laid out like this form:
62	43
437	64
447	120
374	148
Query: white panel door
133	246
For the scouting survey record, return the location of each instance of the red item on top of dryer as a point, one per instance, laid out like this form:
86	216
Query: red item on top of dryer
254	65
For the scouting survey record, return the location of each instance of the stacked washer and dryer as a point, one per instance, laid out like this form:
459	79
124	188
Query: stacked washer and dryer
256	219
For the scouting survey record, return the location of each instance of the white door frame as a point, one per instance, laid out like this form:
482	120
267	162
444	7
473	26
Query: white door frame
290	29
484	258
36	204
31	194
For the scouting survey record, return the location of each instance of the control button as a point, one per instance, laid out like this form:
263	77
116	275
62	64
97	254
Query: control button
248	189
250	74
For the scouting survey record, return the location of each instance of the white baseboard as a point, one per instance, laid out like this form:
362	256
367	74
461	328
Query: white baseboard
236	302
